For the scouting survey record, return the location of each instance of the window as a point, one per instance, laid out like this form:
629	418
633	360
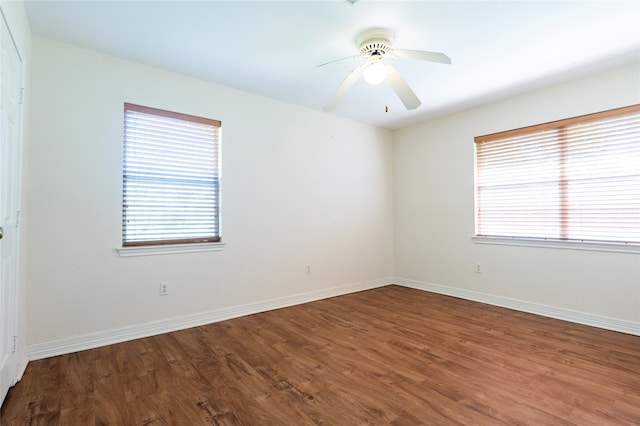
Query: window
171	178
571	180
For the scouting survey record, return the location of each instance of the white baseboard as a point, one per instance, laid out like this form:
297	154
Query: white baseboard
21	367
608	323
108	337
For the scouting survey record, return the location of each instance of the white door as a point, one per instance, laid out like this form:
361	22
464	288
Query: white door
10	80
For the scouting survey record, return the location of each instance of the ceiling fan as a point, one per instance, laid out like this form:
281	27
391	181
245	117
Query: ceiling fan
375	45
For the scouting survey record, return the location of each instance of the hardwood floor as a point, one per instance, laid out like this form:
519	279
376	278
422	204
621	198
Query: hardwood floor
389	356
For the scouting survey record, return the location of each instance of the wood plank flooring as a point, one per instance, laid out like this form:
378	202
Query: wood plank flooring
389	356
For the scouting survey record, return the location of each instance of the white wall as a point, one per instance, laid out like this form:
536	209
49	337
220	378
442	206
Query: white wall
298	187
434	209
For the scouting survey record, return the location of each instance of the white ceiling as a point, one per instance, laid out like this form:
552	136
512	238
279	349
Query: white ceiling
271	48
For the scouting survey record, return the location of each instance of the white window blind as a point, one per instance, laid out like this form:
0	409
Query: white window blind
171	187
572	180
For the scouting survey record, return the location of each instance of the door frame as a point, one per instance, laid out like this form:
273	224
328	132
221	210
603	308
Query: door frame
16	362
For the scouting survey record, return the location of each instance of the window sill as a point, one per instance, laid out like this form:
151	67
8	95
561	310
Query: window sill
559	244
169	249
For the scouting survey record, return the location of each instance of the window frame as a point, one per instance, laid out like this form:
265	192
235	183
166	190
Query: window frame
550	242
173	245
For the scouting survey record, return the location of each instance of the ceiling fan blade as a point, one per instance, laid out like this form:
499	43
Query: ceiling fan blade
343	89
402	89
338	60
422	55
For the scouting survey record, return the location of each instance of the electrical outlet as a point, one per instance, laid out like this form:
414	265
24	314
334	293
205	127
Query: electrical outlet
164	288
478	268
307	269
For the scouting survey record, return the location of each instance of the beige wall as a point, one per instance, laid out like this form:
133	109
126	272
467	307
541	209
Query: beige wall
434	208
358	204
298	187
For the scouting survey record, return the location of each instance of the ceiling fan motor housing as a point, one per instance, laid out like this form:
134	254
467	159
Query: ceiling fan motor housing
375	42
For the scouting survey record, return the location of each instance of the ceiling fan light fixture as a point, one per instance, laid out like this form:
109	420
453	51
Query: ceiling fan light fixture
374	44
374	72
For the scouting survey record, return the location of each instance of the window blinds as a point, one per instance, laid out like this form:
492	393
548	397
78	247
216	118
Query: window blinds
171	186
575	180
